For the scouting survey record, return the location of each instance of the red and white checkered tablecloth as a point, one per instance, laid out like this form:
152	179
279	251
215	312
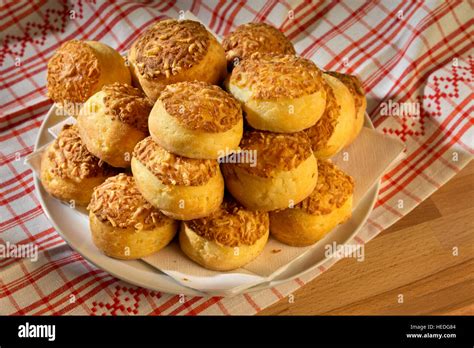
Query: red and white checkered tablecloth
405	52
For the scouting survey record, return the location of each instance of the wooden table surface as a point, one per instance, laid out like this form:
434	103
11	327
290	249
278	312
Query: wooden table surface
423	264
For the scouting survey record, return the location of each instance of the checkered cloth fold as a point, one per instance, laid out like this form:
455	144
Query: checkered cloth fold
414	53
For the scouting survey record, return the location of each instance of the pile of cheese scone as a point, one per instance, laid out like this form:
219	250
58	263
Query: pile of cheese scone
224	144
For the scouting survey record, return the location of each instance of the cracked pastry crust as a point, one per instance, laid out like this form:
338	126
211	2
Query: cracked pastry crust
322	131
272	76
182	188
336	126
283	172
333	189
171	169
127	104
329	205
123	224
196	120
232	225
73	72
279	93
248	39
355	87
201	106
227	239
275	152
113	121
118	202
69	171
171	51
79	69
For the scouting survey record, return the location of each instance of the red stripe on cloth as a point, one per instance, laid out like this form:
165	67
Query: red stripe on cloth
6	4
222	307
223	17
437	133
187	304
125	18
204	306
72	36
298	27
262	15
4	159
97	279
172	301
12	300
36	237
97	274
347	22
21	223
79	300
429	72
23	193
383	70
404	191
442	160
299	282
231	18
375	224
91	28
277	293
302	29
297	9
43	299
170	5
215	13
252	302
38	273
195	7
18	100
411	168
18	218
373	80
15	118
376	39
35	119
415	66
66	38
54	240
27	10
98	37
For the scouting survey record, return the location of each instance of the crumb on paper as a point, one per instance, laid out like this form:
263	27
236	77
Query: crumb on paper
275	251
185	279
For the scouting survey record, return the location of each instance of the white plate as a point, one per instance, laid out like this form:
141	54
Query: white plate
73	226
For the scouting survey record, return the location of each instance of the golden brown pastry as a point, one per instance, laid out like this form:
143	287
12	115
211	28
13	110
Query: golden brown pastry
355	87
113	121
123	224
227	239
279	93
248	39
172	51
283	173
329	205
336	126
79	69
196	120
69	171
182	188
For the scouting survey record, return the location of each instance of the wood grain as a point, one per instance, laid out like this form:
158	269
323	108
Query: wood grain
426	259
